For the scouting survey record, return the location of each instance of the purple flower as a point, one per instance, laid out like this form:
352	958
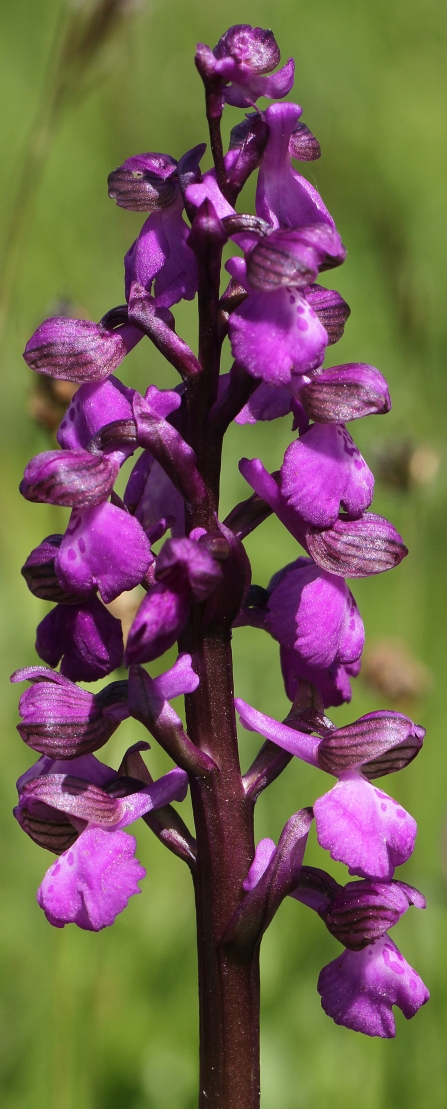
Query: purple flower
185	573
359	988
349	549
86	637
61	720
92	882
333	683
104	548
92	408
161	254
275	335
283	197
358	824
151	496
324	472
79	350
314	613
241	57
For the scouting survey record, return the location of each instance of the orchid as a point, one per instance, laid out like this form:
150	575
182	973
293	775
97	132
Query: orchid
278	321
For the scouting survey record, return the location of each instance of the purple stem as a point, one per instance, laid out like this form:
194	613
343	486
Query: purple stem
228	988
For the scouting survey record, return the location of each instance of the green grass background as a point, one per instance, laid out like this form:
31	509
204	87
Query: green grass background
109	1021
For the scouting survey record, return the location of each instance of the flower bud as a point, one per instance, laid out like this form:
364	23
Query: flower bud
144	183
185	563
356	548
346	393
253	47
72	479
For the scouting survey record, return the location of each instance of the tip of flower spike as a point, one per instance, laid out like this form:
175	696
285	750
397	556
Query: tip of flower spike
253	47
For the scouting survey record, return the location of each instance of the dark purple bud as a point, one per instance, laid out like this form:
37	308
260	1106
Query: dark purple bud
356	548
63	721
144	183
253	47
72	479
78	350
373	737
331	309
184	563
158	624
228	598
293	257
49	829
152	320
363	911
207	231
40	575
248	141
87	638
345	393
303	144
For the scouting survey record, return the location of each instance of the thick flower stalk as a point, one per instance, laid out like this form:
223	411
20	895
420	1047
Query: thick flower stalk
278	320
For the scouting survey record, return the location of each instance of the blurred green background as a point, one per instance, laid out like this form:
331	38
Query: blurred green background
108	1021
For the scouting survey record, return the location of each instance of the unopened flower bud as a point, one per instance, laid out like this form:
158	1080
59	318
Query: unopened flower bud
61	720
253	47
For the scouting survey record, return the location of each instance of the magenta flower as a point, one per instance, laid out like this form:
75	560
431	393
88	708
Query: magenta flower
86	637
314	613
283	197
358	824
103	548
275	335
92	882
359	989
241	58
323	472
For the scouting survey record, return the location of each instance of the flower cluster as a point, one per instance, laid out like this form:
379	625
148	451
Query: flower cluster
278	320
